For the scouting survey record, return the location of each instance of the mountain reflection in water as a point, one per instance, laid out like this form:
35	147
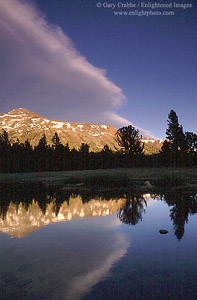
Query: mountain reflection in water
21	220
26	208
103	253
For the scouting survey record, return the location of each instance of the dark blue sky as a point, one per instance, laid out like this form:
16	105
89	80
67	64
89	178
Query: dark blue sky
151	59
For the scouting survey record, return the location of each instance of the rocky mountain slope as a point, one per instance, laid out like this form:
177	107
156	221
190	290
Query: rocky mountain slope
23	124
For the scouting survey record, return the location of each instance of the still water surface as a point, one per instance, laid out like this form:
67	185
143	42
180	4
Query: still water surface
57	245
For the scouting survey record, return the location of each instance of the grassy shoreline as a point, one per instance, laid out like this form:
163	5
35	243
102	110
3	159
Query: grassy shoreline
173	176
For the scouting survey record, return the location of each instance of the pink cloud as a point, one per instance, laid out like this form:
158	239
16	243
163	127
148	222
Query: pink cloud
44	72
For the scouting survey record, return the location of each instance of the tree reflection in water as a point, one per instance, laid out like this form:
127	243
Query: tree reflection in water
182	203
133	210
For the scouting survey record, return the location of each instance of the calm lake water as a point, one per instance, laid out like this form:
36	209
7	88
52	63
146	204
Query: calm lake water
57	244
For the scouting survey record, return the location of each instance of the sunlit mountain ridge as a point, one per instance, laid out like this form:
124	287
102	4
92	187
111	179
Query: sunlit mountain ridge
22	124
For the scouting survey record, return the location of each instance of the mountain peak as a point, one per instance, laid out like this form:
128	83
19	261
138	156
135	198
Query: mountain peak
22	112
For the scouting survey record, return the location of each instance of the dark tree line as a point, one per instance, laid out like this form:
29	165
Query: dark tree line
179	149
22	157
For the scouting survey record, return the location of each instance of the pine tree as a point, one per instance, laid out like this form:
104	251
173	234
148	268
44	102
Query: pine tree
56	140
129	140
106	157
131	145
175	148
42	155
191	140
173	130
28	156
83	156
58	162
5	152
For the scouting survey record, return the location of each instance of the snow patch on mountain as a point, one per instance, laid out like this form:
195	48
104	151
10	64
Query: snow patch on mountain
57	124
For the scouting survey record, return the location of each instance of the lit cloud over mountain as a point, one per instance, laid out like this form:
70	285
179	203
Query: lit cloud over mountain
43	71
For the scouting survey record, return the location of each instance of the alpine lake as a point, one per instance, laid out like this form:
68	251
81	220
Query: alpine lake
98	238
